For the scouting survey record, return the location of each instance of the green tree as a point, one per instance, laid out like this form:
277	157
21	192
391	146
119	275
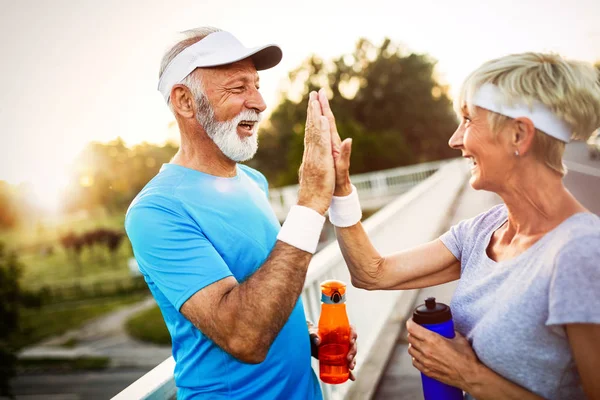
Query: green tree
10	299
109	175
8	212
387	100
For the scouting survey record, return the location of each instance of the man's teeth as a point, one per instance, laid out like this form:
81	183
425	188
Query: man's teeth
247	124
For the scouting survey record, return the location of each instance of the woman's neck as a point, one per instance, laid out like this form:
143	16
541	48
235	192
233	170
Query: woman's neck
537	201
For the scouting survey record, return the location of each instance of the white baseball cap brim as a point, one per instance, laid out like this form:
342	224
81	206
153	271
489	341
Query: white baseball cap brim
218	48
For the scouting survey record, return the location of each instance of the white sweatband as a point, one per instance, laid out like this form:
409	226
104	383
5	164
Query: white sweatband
345	211
490	97
302	228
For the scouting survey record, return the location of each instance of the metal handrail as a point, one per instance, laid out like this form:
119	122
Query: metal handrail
375	189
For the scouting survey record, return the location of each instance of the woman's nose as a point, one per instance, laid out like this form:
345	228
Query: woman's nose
456	140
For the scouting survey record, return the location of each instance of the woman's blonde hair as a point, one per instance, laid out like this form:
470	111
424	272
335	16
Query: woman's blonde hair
571	89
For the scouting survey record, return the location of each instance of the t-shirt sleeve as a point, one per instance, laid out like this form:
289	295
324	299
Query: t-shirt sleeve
574	295
453	239
460	239
172	250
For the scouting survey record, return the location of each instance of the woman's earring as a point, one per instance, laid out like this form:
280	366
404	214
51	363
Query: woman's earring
517	153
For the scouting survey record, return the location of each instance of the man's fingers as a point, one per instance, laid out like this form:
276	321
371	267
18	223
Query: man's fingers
310	117
324	132
327	109
353	334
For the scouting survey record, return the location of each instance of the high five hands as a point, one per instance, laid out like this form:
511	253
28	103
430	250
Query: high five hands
326	160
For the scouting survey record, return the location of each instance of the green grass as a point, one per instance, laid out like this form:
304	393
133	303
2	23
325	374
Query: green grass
36	325
149	326
80	363
32	238
69	343
48	264
94	265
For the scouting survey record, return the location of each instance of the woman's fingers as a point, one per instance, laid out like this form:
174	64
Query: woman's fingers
420	333
343	159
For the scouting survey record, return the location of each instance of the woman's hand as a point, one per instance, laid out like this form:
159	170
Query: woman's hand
451	361
316	340
340	150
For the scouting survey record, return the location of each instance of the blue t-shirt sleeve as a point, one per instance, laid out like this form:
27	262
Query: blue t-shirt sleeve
574	295
172	250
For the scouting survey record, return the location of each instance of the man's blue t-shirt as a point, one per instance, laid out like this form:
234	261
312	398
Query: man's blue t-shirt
188	230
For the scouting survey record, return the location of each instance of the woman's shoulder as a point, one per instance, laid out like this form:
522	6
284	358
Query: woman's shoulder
578	233
485	221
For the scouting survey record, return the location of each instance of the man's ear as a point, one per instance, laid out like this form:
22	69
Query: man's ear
182	101
523	134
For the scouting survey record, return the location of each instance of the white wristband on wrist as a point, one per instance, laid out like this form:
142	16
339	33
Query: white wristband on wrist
345	211
302	228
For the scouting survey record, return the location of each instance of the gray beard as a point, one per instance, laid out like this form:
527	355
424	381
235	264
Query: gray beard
224	134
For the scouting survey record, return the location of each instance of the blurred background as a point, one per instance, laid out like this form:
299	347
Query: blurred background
83	129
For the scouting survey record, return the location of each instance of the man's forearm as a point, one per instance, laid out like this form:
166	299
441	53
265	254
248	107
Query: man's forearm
260	306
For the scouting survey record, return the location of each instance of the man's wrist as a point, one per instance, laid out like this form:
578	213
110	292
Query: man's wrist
302	228
309	203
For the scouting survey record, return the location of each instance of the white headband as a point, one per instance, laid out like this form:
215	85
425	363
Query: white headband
218	48
490	97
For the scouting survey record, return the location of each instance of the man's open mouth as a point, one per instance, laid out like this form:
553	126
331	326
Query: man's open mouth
247	125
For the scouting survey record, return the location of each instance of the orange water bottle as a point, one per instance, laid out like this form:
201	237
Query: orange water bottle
334	331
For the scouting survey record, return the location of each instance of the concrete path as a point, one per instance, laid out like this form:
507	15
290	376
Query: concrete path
401	381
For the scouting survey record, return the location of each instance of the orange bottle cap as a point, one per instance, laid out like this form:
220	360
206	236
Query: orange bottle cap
333	290
331	286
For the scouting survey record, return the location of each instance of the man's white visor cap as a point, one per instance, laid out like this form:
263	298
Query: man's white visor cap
218	48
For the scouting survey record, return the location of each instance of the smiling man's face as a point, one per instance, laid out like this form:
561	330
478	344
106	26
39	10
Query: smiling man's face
231	108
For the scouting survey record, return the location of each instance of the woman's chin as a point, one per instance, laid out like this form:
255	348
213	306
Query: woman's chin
475	182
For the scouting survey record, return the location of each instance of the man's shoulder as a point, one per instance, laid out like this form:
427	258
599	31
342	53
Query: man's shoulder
159	192
253	174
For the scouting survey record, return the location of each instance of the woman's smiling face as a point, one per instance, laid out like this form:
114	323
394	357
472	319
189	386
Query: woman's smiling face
490	156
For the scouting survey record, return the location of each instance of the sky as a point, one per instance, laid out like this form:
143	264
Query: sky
75	71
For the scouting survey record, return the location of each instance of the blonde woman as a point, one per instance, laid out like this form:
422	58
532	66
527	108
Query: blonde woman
527	305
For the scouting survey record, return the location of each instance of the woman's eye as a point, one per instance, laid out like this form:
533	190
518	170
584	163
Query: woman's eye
466	120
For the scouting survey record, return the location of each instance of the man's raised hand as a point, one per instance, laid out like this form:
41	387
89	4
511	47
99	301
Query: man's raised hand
317	174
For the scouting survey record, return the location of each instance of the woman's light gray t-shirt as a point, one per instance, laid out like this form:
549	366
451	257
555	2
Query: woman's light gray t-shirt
513	312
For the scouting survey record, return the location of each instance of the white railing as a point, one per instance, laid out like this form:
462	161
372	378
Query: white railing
375	189
413	218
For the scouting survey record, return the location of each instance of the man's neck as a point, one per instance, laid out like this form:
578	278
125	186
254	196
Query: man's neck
199	152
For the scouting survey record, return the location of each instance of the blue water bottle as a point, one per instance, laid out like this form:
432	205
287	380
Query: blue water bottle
438	318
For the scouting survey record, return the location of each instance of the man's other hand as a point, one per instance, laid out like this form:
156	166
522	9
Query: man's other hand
316	342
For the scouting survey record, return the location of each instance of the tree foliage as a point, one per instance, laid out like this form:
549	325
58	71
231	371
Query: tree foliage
10	300
109	175
387	100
